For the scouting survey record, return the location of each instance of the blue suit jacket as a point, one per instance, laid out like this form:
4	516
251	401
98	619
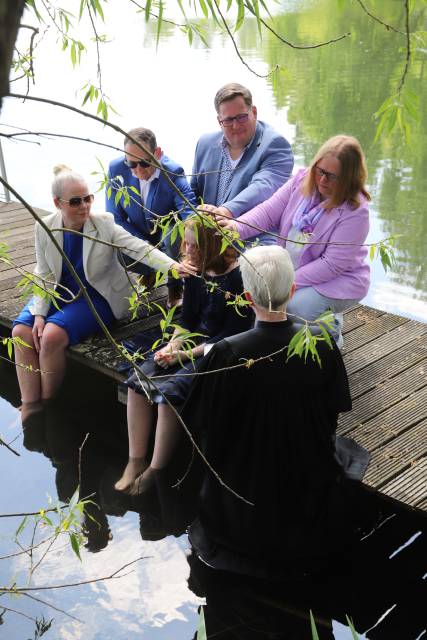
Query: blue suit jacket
265	165
161	200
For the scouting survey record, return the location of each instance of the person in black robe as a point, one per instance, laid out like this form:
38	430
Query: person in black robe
266	424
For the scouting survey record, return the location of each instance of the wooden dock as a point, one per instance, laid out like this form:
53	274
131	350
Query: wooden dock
385	356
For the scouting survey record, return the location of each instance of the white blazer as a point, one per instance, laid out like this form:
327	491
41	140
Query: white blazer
100	262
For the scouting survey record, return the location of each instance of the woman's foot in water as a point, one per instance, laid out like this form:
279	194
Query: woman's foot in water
133	470
143	483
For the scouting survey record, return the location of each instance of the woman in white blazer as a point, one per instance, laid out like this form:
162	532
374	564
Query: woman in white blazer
48	330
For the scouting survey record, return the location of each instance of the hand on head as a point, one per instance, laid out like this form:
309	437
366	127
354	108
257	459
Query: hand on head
184	268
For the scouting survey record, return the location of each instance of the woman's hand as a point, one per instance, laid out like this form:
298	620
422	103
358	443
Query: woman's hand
38	328
170	355
184	269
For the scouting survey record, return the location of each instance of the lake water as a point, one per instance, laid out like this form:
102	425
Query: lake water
326	91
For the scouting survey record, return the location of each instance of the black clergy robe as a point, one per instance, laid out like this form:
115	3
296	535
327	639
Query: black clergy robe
268	430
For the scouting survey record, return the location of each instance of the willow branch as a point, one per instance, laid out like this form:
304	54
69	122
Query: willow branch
51	587
5	444
389	27
236	48
291	44
408	49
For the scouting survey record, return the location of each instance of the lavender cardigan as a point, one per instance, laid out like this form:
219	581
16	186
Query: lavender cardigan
334	271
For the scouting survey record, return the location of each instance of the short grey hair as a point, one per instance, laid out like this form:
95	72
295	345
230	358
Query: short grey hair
268	275
62	176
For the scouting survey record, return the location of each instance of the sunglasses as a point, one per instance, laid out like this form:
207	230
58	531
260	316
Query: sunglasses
76	201
132	164
330	177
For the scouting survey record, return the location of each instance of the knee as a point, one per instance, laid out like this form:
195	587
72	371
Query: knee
24	333
54	338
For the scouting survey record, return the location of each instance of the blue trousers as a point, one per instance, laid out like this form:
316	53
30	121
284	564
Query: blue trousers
307	303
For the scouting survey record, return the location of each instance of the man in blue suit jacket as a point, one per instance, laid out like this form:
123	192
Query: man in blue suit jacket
149	196
244	163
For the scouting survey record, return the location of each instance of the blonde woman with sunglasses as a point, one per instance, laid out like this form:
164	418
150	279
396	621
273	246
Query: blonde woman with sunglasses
86	238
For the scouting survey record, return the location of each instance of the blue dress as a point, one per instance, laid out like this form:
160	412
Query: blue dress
74	317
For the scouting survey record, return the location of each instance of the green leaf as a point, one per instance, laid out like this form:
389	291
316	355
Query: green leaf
73	54
147	10
201	631
313	627
352	629
75	545
204	8
240	14
159	23
21	527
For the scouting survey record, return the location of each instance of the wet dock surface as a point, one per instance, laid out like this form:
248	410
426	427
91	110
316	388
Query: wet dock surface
385	356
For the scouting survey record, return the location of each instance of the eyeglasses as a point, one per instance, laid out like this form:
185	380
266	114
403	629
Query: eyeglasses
132	164
326	174
241	118
76	201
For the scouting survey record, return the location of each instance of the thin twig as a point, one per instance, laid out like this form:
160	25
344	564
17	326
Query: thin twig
236	48
389	27
2	442
291	44
408	49
50	587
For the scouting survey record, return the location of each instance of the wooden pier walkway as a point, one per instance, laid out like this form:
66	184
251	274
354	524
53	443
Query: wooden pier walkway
385	356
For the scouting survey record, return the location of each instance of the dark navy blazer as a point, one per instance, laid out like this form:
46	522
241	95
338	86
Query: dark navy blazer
161	200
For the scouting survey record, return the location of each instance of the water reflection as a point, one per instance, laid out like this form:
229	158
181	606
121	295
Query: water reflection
379	582
338	88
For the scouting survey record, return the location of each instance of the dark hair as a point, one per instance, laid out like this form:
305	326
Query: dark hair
209	242
144	135
353	172
229	92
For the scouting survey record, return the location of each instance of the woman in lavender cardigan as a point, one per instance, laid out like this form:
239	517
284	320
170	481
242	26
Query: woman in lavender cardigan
327	205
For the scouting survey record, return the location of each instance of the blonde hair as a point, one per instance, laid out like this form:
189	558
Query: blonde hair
62	175
353	173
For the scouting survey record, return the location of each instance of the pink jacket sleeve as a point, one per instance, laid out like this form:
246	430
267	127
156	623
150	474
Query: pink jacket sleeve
267	215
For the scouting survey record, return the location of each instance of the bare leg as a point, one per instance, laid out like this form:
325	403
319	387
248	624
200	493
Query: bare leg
140	415
52	359
29	381
167	434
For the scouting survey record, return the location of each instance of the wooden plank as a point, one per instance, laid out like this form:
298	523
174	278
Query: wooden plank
372	330
387	367
388	424
411	486
384	345
358	316
12	272
394	457
384	396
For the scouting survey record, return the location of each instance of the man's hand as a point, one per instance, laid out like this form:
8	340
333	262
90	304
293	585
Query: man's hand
38	328
211	210
227	223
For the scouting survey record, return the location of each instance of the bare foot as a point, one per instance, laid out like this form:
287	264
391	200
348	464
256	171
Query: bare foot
133	469
143	482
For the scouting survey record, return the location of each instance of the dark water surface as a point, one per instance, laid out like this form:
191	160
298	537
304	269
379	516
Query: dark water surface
158	597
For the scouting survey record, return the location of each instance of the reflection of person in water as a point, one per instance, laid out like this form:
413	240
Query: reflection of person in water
268	429
378	584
